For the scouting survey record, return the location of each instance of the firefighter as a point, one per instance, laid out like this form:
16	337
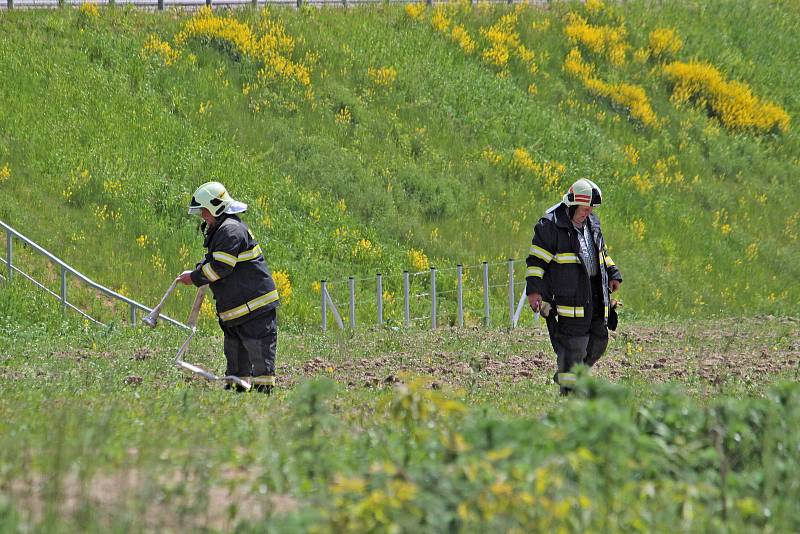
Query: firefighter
570	277
242	285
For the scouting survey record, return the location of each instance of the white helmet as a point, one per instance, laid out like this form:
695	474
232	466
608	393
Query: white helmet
215	198
583	193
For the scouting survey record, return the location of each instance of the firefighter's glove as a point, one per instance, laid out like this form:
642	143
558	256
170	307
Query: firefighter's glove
544	308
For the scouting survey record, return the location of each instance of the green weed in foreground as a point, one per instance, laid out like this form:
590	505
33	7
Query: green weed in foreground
421	461
98	432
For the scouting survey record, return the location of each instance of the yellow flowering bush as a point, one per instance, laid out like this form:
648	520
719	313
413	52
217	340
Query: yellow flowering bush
284	285
630	97
732	102
665	42
575	65
551	173
505	43
642	183
631	154
491	156
441	22
383	76
609	41
154	46
5	172
89	11
415	11
343	116
281	79
460	36
419	261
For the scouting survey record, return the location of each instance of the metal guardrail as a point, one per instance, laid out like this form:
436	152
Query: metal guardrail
10	269
195	4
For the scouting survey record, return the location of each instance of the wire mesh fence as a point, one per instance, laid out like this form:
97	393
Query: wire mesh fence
483	294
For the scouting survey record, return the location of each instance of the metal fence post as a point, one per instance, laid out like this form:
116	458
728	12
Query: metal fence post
133	315
63	289
433	298
460	294
380	298
323	291
10	4
511	292
406	303
9	253
352	283
208	3
486	310
161	5
255	4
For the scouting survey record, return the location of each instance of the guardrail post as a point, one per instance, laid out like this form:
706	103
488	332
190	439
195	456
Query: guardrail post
352	283
324	291
208	3
511	292
10	4
460	294
406	302
63	289
9	253
161	5
255	4
133	315
380	298
433	298
486	310
299	4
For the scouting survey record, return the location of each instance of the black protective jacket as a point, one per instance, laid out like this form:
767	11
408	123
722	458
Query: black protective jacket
236	272
555	269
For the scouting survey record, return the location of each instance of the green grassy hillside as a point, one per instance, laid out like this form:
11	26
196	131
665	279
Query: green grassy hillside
390	138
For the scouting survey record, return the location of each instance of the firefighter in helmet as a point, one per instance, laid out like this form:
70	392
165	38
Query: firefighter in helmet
242	285
570	277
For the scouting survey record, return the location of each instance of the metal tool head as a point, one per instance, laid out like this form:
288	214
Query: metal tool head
150	321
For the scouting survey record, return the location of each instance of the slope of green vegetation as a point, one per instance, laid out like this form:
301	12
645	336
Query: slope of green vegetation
384	138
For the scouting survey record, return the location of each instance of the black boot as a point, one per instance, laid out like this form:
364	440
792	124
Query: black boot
264	383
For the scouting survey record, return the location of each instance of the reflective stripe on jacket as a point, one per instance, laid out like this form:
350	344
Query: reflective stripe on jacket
555	269
236	272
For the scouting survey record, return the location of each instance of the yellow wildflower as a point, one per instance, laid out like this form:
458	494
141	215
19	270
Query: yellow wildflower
415	11
733	102
665	42
284	285
637	226
89	10
419	260
383	76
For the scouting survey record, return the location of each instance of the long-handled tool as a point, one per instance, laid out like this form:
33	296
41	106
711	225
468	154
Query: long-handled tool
152	318
192	323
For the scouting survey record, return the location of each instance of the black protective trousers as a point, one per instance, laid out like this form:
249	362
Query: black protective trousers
586	346
250	347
